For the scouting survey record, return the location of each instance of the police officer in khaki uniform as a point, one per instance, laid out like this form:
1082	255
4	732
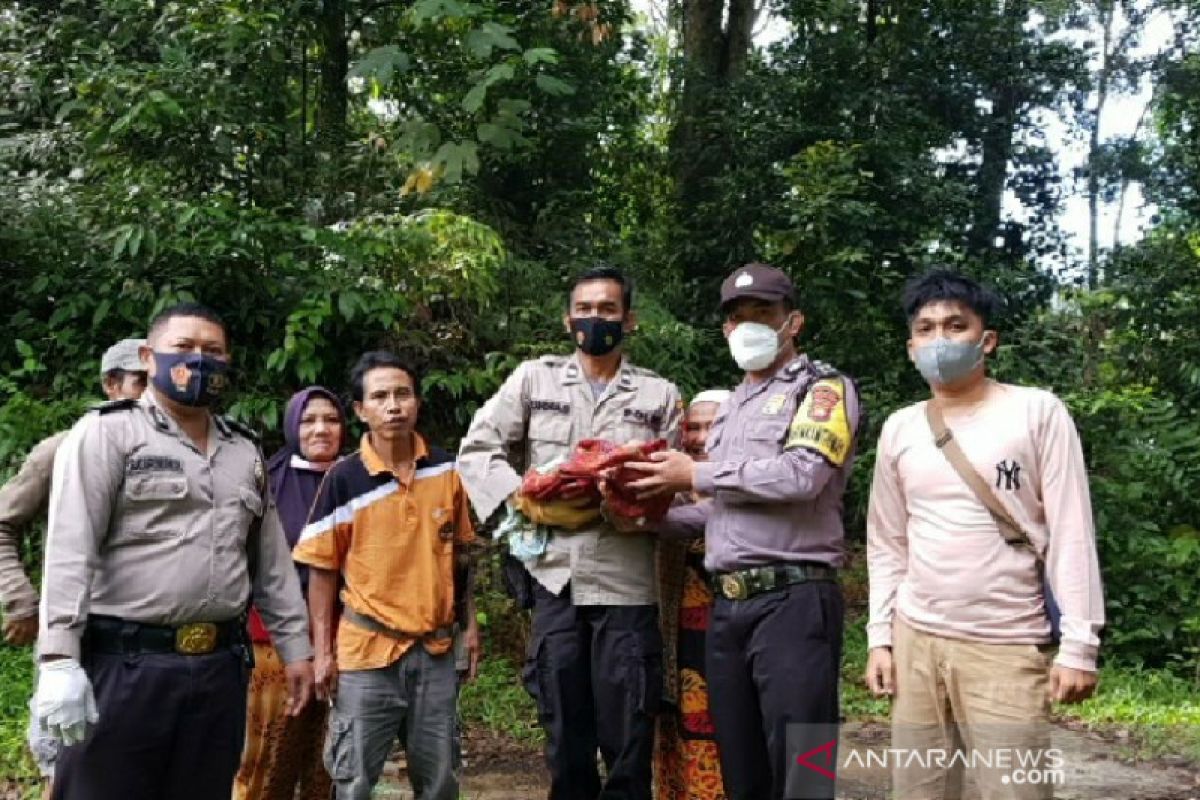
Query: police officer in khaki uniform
595	657
23	501
779	458
157	511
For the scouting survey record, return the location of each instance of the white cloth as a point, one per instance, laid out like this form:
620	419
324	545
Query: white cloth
717	396
64	703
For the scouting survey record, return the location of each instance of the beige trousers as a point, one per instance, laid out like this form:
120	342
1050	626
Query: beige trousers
967	706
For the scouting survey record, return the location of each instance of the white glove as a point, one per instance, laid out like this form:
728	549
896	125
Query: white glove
64	703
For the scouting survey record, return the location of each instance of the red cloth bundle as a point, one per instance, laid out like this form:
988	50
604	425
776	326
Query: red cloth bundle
577	478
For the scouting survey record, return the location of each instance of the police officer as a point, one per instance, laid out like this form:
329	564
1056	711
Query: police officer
23	498
595	656
23	501
157	511
780	452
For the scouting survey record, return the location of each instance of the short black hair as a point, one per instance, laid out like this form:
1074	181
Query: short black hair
946	285
187	309
377	359
604	272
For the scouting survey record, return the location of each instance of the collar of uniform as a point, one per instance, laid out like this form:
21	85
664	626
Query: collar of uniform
222	427
572	373
167	424
791	370
374	463
785	374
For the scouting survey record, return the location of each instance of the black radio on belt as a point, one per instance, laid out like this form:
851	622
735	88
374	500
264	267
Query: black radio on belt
123	637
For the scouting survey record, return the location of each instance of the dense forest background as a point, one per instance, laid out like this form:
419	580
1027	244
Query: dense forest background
336	175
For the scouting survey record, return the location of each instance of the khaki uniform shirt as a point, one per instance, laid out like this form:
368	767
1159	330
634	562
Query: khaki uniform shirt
541	413
145	527
22	501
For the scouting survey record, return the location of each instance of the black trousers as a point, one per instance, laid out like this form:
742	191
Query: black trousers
171	726
772	660
596	674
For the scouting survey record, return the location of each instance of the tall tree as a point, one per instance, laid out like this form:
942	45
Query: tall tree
716	41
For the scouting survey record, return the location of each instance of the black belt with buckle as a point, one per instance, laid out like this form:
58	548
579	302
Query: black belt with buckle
746	583
123	637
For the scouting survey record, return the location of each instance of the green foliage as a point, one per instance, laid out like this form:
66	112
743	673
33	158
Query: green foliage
497	701
16	687
1145	459
1157	709
478	153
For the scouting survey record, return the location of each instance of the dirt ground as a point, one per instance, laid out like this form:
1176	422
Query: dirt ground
1095	769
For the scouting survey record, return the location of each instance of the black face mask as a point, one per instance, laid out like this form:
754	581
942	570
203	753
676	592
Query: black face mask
191	379
596	336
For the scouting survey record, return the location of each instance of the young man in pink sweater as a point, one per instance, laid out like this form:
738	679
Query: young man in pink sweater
958	633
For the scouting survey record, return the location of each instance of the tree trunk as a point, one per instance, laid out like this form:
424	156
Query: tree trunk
717	39
997	138
1107	14
332	99
739	37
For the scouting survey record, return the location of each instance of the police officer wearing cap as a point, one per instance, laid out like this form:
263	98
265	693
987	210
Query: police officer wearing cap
23	501
161	529
779	457
595	654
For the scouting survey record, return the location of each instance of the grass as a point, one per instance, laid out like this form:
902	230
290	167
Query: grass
1148	713
497	701
16	686
1159	710
857	703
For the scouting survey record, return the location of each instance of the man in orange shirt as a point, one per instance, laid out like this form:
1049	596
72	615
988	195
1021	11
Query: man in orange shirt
391	522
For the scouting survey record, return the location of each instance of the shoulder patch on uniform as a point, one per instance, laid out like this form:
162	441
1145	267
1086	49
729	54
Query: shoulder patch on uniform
823	370
821	423
115	405
551	360
243	429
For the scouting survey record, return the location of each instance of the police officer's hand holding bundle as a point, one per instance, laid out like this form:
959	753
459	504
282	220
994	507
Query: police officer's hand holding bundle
64	702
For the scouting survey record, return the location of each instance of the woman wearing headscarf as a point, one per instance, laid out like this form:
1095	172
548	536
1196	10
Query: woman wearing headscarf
282	757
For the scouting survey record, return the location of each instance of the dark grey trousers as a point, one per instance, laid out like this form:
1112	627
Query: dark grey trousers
171	726
414	700
596	674
772	660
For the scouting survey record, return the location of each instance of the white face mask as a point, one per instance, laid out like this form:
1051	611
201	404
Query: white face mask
754	345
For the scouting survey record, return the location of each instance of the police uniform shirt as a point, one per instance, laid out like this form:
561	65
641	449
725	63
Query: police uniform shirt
779	458
145	527
22	502
544	409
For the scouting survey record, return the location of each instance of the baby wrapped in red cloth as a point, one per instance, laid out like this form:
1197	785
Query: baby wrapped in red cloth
577	479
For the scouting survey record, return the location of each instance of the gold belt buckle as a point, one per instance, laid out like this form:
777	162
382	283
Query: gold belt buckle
733	587
196	638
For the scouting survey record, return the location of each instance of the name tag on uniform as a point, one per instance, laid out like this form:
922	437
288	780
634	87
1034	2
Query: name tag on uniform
153	464
774	404
557	406
651	419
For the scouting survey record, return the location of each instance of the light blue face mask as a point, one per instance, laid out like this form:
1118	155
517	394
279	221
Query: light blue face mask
945	361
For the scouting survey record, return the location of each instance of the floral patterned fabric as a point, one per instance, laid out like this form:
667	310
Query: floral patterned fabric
686	763
282	758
